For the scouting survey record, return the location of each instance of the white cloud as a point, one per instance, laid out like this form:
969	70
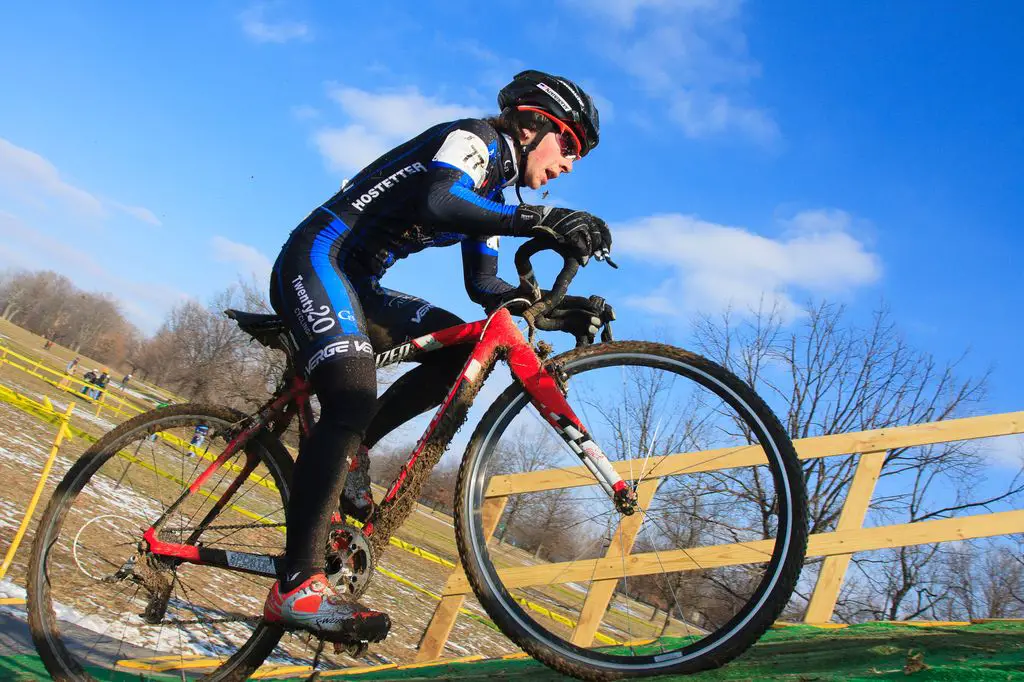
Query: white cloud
379	121
690	53
399	113
623	12
31	178
1004	451
349	148
249	260
22	246
305	112
140	212
495	70
712	266
705	115
260	28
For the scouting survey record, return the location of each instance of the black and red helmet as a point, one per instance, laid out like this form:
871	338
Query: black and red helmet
559	97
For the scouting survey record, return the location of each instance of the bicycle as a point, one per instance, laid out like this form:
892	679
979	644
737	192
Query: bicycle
109	541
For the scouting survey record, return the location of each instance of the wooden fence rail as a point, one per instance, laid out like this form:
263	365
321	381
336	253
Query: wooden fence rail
837	546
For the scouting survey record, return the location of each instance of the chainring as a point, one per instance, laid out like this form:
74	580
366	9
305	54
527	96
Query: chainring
349	562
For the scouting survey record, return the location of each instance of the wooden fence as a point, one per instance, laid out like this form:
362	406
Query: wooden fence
837	546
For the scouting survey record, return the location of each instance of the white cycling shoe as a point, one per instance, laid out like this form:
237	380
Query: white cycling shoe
315	606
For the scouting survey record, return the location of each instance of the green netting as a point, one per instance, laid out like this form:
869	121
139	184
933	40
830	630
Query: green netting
991	651
25	668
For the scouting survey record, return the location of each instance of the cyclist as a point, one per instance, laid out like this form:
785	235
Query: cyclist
442	187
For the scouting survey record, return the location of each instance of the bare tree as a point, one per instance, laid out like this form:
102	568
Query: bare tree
439	492
15	291
529	451
827	375
203	354
48	304
981	579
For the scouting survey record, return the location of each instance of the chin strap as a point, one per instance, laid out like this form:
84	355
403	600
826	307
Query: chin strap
544	129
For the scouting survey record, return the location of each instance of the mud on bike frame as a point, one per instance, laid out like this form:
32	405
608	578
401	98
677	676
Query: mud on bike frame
496	337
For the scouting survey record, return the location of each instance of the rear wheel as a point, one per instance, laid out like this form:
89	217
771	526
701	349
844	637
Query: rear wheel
97	600
597	595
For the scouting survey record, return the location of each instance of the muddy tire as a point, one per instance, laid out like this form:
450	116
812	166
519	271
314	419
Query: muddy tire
753	616
67	660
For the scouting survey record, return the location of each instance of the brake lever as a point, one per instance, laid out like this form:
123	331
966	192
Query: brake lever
607	258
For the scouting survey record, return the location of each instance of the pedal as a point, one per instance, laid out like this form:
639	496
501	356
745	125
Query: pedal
351	649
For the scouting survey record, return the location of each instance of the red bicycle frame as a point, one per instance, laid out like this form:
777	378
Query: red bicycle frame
496	335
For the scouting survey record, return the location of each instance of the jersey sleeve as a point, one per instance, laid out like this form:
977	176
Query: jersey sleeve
480	271
456	185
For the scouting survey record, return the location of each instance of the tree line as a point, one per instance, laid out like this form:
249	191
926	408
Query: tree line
197	352
50	305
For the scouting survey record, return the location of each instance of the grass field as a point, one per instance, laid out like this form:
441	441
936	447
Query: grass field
861	653
26	442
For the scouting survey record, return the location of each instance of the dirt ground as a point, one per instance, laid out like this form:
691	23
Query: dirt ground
25	442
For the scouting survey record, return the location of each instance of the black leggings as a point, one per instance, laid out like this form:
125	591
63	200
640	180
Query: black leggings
339	322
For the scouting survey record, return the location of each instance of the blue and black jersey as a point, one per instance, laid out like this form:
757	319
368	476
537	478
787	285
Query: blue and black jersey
439	188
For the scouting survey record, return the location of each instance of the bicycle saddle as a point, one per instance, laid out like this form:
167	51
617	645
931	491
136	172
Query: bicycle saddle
269	330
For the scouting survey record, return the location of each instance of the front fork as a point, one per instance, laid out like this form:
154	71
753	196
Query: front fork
547	393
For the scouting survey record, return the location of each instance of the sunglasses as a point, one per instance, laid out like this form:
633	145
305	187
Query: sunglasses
568	140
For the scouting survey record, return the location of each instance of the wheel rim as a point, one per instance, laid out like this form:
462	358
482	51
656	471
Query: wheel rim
93	577
685	650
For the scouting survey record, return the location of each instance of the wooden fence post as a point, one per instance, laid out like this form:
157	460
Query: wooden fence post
833	568
600	593
441	623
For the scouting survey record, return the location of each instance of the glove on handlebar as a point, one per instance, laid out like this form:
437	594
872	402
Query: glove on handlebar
583	233
581	317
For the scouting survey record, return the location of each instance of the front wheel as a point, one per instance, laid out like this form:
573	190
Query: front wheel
688	583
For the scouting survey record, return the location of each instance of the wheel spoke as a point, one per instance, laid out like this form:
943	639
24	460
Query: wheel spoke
122	489
641	402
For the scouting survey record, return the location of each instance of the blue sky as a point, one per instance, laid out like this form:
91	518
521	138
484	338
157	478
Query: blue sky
854	151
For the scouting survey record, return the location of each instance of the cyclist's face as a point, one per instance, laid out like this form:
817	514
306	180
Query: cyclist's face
547	161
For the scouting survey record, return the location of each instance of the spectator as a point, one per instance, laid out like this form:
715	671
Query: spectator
89	377
102	380
69	372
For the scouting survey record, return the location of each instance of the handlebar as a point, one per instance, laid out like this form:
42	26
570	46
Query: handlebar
528	281
535	315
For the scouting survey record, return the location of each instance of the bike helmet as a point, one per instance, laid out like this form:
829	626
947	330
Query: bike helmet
559	97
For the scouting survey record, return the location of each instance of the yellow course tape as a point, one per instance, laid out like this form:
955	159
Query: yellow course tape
37	366
41	410
421	553
159	664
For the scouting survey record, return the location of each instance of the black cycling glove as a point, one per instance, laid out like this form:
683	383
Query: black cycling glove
583	233
582	317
